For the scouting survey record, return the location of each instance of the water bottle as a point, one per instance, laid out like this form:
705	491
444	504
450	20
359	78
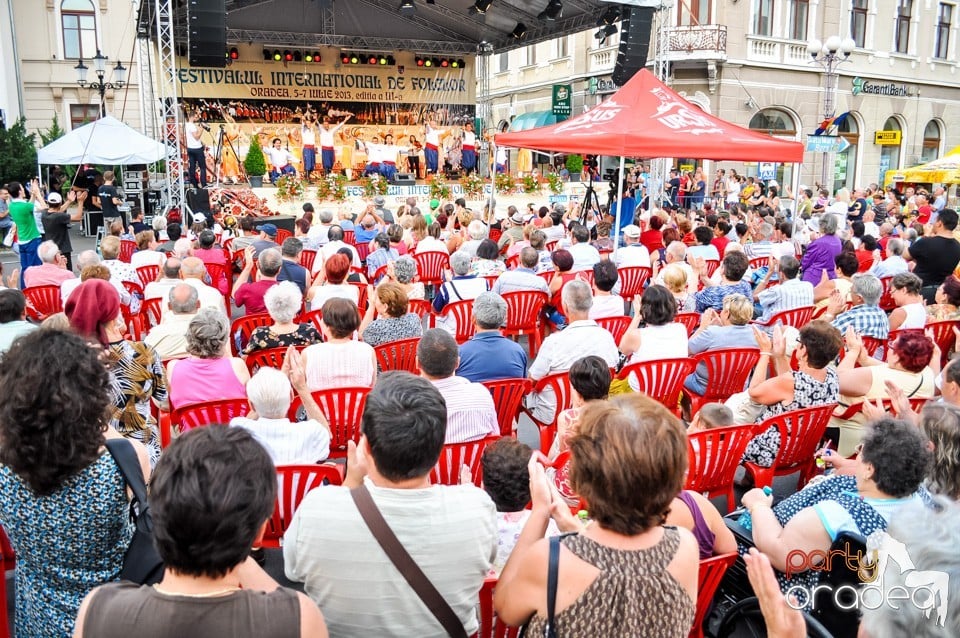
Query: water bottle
745	521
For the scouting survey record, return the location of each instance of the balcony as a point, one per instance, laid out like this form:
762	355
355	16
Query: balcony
776	51
602	60
697	43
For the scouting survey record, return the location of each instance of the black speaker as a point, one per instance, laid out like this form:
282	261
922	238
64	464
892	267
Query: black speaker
634	43
207	33
404	179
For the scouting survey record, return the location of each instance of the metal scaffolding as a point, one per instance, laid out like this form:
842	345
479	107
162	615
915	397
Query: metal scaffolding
148	99
659	167
169	106
484	102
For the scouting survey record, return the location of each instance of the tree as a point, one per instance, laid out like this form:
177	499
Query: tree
18	153
254	163
52	133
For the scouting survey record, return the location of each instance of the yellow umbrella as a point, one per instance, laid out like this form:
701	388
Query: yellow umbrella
944	170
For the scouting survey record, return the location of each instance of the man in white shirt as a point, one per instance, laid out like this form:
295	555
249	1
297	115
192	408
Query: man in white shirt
281	160
582	337
894	264
195	149
471	413
193	271
633	252
790	294
328	155
431	145
469	158
169	337
335	243
169	277
676	253
523	278
432	241
449	531
374	157
584	255
318	235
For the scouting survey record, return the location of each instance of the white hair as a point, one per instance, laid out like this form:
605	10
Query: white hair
181	247
47	252
477	229
283	301
678	250
269	392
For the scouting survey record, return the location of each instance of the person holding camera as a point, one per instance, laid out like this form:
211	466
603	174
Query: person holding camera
195	150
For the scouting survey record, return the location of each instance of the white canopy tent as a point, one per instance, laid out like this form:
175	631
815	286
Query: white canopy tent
105	141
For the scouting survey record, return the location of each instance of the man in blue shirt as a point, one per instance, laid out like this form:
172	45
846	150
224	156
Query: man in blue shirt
629	209
489	356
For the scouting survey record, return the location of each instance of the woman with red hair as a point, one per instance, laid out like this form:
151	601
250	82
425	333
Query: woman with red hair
332	282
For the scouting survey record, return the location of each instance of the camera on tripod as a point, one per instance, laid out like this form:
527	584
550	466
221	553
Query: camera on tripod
204	126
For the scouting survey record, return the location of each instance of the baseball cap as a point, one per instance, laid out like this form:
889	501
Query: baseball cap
199	218
379	200
631	230
434	204
269	229
54	198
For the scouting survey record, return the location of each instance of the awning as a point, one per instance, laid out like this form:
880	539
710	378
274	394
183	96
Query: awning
526	121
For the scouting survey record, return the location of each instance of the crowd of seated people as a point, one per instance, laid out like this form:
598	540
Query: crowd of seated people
604	447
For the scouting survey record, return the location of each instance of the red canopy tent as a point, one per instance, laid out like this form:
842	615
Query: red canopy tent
647	119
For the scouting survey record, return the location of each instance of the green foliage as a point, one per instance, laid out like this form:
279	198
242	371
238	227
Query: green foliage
556	184
254	163
438	187
574	164
505	183
530	184
18	153
53	133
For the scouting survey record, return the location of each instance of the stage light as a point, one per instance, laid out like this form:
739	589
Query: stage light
407	7
267	55
428	62
288	56
435	61
609	16
457	64
308	57
297	56
606	31
277	56
354	59
234	54
312	57
519	31
382	60
345	58
553	11
391	61
444	63
481	6
420	61
372	59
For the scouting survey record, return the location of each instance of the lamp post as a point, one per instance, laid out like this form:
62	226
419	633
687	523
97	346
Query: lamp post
100	68
829	55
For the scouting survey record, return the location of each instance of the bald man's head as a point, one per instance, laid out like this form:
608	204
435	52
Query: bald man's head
171	268
184	299
193	268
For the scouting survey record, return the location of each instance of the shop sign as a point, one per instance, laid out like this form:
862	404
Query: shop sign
827	143
887	138
892	89
602	85
562	100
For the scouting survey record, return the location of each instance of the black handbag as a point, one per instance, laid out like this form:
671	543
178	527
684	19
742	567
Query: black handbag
142	563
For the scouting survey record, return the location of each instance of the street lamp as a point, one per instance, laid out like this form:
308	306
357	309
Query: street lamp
100	68
830	55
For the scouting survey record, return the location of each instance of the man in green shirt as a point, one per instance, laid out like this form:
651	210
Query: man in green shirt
28	234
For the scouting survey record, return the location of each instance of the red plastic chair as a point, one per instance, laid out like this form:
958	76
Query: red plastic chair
307	257
710	574
713	457
195	415
547	275
363	250
887	304
508	395
944	337
361	295
343	408
454	456
293	483
221	278
632	281
8	562
916	404
266	358
871	344
795	318
490	625
423	309
147	274
431	265
314	317
349	237
380	273
551	245
661	380
616	326
727	373
491	279
283	235
43	301
559	383
245	326
523	316
398	355
127	248
151	312
513	262
462	313
712	265
759	262
690	320
800	434
495	234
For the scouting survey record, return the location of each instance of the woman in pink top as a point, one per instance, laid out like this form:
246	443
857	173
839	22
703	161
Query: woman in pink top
209	373
340	361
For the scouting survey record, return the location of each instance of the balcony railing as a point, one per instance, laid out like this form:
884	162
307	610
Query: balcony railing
764	49
698	42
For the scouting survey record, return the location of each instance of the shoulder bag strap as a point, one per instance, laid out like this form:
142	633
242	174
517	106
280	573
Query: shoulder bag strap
126	459
407	567
553	569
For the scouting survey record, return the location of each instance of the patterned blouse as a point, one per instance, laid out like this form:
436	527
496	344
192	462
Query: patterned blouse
136	376
264	338
393	329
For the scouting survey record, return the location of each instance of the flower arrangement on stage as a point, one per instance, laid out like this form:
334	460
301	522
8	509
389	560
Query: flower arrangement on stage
505	183
332	187
555	183
438	187
472	185
530	183
374	185
289	188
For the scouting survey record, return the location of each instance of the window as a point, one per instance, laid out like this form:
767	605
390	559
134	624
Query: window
531	53
944	20
763	17
931	142
562	50
773	121
858	22
845	163
79	29
81	114
902	30
503	62
890	154
693	13
799	9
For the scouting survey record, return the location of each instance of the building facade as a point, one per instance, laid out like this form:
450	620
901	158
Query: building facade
747	62
41	41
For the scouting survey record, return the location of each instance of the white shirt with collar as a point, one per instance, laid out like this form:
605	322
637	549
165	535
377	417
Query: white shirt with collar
633	255
584	256
209	296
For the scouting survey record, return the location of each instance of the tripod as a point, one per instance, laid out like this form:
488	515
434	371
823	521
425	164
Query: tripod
218	154
591	201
